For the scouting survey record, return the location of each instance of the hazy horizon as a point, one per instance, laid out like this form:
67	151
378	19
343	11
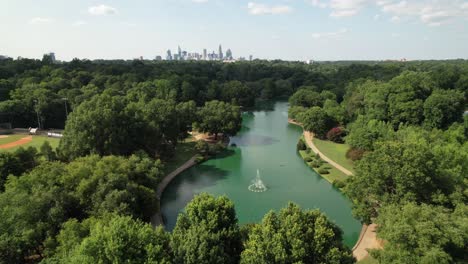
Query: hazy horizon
292	30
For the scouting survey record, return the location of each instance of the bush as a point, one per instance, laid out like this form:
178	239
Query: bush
355	154
308	159
202	147
336	134
323	171
308	150
317	156
301	145
315	164
338	184
216	148
199	158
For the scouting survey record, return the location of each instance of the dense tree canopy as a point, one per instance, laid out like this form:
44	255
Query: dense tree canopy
405	117
422	234
119	239
35	205
207	232
295	236
219	117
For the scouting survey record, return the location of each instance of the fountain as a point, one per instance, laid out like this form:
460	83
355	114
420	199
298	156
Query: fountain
257	184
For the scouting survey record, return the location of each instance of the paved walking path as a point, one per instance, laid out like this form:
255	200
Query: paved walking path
309	140
367	238
157	219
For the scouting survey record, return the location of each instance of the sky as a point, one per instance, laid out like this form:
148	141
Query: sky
267	29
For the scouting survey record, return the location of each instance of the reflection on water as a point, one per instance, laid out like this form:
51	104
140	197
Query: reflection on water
266	143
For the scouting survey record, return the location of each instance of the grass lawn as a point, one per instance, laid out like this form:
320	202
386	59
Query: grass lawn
334	174
184	151
11	138
336	152
36	142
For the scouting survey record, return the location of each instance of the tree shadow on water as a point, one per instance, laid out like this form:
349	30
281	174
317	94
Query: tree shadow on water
185	186
253	140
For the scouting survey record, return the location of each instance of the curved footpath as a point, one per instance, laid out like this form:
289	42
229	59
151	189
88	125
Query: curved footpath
157	219
367	238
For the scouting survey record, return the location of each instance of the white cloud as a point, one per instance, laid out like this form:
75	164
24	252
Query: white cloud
330	34
102	10
344	8
377	17
40	20
318	3
200	1
79	23
262	9
395	19
429	12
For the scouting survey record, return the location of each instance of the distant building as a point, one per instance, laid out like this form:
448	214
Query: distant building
158	58
204	54
2	57
168	55
220	52
49	57
228	54
250	57
179	51
52	57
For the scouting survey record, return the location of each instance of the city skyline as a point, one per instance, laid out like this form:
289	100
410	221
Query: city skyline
280	29
204	55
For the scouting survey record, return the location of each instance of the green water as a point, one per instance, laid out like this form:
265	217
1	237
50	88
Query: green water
268	143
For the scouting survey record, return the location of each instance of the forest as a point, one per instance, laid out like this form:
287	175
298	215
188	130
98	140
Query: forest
91	199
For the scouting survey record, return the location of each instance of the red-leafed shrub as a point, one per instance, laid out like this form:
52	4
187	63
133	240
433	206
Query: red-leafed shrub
336	134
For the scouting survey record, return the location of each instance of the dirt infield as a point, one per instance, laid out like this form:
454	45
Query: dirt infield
22	141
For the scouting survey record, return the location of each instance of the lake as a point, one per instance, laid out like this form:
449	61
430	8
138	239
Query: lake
266	143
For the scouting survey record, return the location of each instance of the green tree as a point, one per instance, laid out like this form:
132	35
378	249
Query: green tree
295	236
406	100
364	133
121	240
47	151
306	98
316	120
35	205
422	234
219	117
207	232
443	108
397	172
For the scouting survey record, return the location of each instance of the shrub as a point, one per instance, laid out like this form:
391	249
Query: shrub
338	184
308	159
202	147
308	150
199	158
355	154
323	171
317	156
336	134
315	164
301	145
216	148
